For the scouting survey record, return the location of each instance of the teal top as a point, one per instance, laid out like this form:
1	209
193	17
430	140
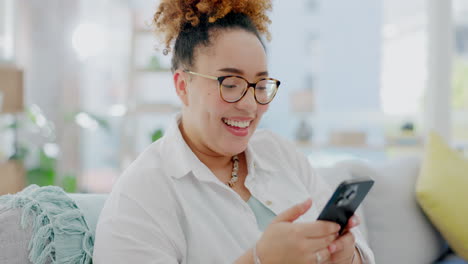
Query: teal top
262	213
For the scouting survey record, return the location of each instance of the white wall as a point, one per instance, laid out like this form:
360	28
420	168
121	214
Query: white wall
286	61
348	62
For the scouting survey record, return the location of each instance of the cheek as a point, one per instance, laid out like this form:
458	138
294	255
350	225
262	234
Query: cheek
202	100
261	109
213	106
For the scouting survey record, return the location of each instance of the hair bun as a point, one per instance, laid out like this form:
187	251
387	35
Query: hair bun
172	15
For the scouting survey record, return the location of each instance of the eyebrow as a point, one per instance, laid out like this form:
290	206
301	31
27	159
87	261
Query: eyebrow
240	72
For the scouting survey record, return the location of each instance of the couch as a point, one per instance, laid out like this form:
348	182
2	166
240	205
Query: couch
397	229
393	222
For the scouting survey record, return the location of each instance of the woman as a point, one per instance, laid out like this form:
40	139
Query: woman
213	190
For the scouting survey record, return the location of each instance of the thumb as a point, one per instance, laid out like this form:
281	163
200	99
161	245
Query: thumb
294	212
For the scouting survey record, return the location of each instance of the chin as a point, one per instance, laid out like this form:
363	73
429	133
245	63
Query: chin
235	147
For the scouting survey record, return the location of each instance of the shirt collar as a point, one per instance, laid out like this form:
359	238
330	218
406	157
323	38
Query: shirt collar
181	161
256	160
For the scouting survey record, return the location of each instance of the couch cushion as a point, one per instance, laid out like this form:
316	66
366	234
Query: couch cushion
442	192
14	240
398	230
452	259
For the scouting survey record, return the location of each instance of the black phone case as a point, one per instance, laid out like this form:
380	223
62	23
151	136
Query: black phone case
345	200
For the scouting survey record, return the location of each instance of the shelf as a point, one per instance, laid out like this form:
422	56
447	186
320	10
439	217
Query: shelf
150	102
154	108
312	145
143	31
387	145
147	70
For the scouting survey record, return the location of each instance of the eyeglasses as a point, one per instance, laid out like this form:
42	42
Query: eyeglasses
233	88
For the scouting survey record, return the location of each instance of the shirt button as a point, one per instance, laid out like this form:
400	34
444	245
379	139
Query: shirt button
268	202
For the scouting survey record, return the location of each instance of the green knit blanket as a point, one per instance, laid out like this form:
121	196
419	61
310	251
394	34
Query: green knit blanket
60	233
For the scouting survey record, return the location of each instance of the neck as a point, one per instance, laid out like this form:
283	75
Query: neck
211	159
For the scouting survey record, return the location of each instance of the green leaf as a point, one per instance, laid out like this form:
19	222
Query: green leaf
157	134
101	121
69	184
31	115
46	162
70	116
40	176
20	153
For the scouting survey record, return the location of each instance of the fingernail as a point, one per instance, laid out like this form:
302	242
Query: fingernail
332	248
355	221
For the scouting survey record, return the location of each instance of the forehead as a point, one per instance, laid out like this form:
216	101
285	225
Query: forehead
235	48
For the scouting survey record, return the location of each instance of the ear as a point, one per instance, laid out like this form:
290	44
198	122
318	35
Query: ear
180	83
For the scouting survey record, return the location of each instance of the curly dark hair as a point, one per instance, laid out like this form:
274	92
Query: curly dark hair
190	22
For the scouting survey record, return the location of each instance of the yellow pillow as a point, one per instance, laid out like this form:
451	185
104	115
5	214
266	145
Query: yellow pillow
442	192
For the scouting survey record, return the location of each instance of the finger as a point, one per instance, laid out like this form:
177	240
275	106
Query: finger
346	241
318	228
353	222
294	212
321	256
320	243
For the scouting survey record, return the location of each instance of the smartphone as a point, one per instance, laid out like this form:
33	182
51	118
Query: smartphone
345	201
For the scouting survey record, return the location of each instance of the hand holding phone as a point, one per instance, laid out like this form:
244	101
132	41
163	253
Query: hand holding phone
345	200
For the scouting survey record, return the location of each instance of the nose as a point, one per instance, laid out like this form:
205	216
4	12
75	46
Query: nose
248	102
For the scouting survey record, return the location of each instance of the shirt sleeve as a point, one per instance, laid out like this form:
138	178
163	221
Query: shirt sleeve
321	192
127	233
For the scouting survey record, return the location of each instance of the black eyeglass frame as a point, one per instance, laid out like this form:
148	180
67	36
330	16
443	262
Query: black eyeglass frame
220	80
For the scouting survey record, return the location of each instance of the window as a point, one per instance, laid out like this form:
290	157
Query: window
404	57
460	75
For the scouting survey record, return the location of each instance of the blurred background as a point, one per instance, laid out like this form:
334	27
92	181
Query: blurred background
84	87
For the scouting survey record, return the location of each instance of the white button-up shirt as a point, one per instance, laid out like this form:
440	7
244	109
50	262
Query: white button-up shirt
168	207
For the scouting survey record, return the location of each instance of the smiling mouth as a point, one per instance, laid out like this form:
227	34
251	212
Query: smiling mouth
236	124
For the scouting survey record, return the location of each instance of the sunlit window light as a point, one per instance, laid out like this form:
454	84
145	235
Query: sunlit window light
89	40
7	40
404	73
85	121
51	150
118	110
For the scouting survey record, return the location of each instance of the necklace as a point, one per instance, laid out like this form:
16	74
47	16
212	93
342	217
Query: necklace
235	169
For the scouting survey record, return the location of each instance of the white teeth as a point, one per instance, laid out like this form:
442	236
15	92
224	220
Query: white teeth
240	124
